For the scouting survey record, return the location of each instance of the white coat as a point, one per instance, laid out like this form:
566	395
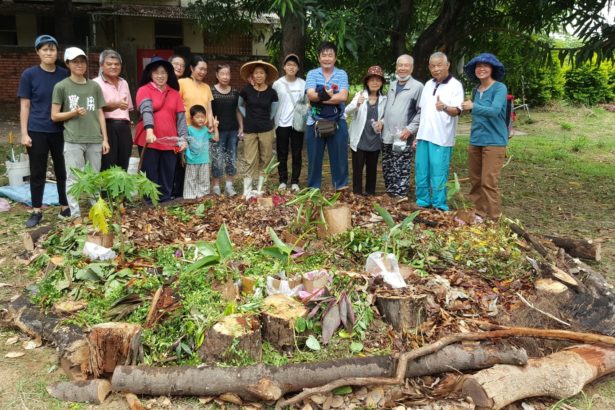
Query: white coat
359	116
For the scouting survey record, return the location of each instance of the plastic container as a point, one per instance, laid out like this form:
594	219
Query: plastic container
133	165
18	172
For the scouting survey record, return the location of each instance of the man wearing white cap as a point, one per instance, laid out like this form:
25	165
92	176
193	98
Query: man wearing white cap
78	103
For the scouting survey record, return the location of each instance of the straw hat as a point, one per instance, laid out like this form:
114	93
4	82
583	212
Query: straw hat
248	68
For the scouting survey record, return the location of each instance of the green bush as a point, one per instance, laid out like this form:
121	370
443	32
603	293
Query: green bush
587	85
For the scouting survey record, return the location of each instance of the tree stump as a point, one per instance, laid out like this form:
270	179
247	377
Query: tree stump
279	315
86	391
113	344
579	248
231	336
402	311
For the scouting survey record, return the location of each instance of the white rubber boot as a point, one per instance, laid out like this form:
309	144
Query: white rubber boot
259	187
247	187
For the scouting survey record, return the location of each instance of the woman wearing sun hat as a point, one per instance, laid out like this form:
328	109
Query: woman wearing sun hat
161	122
258	103
39	134
488	135
367	108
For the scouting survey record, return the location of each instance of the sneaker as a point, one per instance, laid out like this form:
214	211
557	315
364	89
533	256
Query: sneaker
295	188
35	219
282	187
216	190
230	190
400	199
64	214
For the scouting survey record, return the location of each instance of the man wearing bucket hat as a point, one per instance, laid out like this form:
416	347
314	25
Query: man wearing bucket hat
39	134
78	102
366	108
290	89
488	135
440	106
258	104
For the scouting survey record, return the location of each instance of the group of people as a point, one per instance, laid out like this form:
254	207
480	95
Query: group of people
185	125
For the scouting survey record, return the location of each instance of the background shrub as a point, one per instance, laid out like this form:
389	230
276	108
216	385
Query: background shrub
587	85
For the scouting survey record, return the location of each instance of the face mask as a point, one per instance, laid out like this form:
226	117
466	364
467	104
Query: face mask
403	78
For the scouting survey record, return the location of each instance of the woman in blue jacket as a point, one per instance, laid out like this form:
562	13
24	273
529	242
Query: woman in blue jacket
488	135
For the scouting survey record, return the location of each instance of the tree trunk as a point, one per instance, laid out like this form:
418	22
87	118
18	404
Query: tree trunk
87	391
278	317
232	334
262	382
403	312
579	248
293	37
398	34
113	344
560	375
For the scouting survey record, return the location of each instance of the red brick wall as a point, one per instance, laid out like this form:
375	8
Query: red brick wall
12	64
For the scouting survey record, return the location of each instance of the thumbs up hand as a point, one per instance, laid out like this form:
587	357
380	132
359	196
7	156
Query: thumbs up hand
440	106
467	104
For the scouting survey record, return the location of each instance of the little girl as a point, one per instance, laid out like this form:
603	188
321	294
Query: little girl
196	181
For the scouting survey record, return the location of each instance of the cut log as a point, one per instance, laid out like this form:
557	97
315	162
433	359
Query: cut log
262	382
133	402
559	274
550	286
338	219
278	318
71	341
403	312
86	391
560	375
31	237
113	344
579	248
230	336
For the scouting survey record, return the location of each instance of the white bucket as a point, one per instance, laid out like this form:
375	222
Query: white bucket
133	165
18	172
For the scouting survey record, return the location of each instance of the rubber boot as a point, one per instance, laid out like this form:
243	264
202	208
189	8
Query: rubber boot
247	187
259	187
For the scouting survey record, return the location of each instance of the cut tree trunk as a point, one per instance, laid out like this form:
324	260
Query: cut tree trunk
278	318
86	391
403	312
31	237
560	375
579	248
232	334
113	344
71	341
262	382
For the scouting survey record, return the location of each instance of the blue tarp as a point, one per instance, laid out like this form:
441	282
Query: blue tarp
21	194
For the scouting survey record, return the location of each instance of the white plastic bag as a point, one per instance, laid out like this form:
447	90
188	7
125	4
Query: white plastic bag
283	285
385	266
96	252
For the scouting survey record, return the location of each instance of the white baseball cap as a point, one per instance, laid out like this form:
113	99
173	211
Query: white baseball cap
73	52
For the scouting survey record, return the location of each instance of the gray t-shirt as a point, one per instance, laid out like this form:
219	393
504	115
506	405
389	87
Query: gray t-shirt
370	141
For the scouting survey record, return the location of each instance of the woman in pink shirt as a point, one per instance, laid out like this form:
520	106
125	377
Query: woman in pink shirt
119	104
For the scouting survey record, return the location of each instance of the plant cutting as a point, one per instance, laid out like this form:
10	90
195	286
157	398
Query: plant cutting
312	204
110	189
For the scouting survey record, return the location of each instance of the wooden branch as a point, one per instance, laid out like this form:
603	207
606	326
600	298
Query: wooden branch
31	237
268	383
549	315
560	375
445	341
530	239
151	314
86	391
579	248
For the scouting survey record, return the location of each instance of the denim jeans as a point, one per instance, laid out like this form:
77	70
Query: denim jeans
337	146
224	154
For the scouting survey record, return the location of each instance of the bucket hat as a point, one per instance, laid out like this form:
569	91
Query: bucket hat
248	68
374	71
44	39
154	63
73	52
488	58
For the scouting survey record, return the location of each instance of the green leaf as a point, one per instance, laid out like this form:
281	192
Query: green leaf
87	274
274	252
223	243
300	325
388	219
278	242
342	391
201	263
312	343
356	347
230	309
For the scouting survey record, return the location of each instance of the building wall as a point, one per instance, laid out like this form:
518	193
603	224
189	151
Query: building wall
26	30
15	61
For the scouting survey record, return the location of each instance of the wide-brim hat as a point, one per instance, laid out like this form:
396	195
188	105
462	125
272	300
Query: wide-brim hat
248	68
374	71
497	68
156	62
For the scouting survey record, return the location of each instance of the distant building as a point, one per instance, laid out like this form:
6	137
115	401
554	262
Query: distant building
138	30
